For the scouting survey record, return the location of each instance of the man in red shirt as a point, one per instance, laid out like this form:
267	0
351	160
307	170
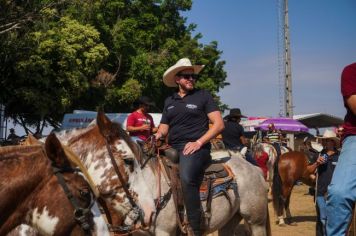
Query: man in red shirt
140	124
342	189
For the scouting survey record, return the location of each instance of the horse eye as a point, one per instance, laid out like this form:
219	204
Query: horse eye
85	194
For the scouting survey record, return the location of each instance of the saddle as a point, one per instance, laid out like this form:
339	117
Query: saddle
218	179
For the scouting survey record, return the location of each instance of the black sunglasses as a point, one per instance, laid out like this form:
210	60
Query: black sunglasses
189	76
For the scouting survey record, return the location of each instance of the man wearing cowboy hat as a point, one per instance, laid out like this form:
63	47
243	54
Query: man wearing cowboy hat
12	137
140	124
234	135
342	189
185	119
327	161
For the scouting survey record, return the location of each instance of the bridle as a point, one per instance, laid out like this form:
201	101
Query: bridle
81	215
137	214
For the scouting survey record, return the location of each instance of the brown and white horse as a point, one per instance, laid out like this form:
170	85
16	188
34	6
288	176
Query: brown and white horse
272	156
90	145
94	144
30	192
289	168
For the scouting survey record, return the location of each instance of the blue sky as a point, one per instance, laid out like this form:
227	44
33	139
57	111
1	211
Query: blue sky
323	41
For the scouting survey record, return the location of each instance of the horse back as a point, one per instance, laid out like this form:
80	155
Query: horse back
291	165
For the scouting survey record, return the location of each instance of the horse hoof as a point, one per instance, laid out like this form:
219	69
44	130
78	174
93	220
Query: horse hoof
282	225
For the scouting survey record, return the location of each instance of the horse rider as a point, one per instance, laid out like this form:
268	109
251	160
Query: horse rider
274	137
234	135
13	138
185	119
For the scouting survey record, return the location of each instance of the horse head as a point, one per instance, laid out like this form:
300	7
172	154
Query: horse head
31	173
105	148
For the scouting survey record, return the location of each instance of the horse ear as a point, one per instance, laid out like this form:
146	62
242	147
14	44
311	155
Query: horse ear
104	123
55	152
31	140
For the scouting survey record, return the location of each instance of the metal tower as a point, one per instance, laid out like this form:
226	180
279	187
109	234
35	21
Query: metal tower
284	58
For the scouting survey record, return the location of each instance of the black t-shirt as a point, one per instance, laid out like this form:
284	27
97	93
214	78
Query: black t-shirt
325	173
187	117
231	134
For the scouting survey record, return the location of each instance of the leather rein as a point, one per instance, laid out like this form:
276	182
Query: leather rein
138	212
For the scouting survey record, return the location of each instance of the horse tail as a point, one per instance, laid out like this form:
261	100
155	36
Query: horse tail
268	224
277	188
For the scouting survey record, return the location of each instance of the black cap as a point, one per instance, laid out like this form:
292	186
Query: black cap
234	112
144	100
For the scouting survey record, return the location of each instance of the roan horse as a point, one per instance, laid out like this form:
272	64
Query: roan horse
134	209
32	192
289	168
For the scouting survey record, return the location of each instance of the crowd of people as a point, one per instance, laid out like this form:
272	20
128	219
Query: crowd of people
191	119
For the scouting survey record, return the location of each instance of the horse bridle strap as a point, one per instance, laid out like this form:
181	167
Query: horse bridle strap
136	208
81	215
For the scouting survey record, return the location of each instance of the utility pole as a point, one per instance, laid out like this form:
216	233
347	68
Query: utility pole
284	63
3	123
288	69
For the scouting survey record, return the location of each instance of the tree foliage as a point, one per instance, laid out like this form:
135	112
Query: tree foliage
82	54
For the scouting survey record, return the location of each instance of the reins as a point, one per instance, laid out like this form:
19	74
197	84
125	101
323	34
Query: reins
137	211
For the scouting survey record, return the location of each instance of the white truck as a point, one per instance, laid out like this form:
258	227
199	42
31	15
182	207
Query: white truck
80	119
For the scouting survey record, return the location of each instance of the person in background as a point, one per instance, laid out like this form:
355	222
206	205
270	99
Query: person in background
342	189
185	119
327	161
274	138
234	135
139	123
12	137
261	158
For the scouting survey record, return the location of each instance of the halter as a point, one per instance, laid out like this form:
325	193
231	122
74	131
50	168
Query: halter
81	215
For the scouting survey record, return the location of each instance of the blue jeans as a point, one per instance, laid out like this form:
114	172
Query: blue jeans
342	190
191	170
321	204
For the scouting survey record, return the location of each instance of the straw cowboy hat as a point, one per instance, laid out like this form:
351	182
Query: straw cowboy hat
329	134
182	64
234	112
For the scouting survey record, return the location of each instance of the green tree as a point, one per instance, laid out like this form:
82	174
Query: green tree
53	73
84	54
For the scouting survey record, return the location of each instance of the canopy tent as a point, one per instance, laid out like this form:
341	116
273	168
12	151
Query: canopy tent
283	124
250	123
319	120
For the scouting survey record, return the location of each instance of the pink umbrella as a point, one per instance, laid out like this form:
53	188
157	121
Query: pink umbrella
284	124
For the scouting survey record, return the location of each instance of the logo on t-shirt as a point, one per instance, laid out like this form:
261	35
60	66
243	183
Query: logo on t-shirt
191	106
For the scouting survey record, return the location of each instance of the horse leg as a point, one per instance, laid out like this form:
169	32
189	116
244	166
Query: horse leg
230	227
286	192
288	214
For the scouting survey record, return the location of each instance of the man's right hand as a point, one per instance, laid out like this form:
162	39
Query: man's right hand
145	127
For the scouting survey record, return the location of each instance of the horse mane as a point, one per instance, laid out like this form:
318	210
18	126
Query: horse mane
115	127
12	151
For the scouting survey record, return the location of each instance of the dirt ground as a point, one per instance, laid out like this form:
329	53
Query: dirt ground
303	212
